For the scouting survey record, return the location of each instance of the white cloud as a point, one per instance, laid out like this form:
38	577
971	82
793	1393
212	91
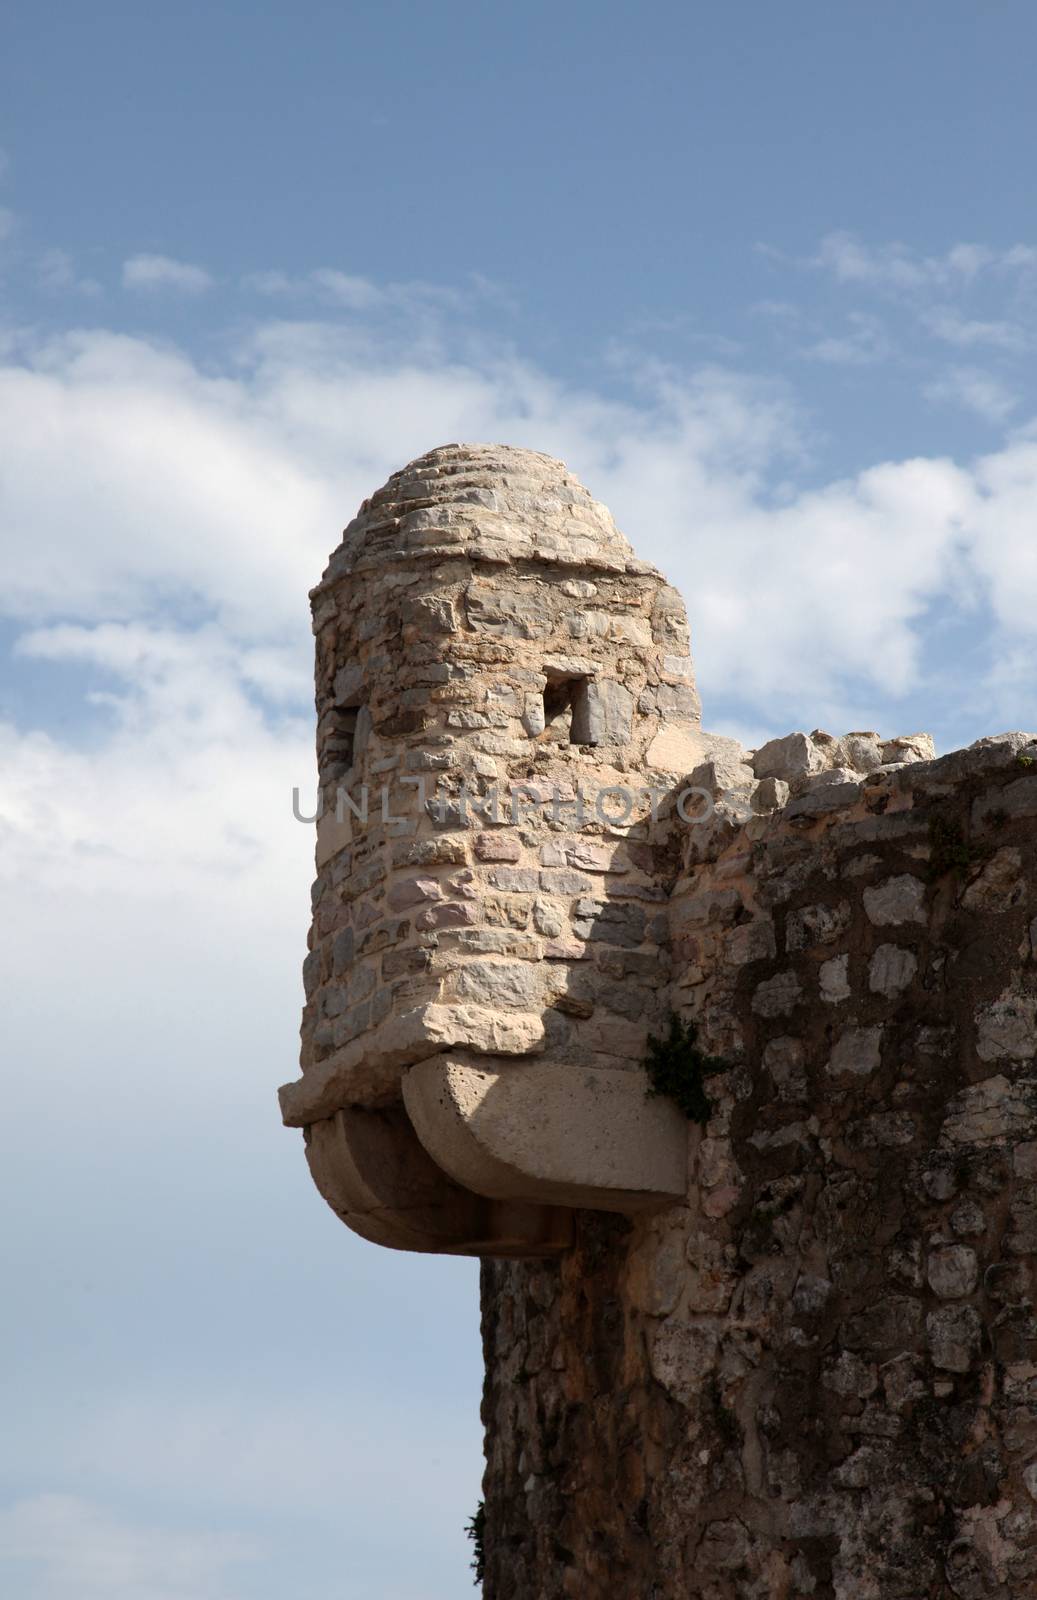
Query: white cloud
976	391
187	778
331	288
162	272
958	298
134	480
58	274
1003	546
1021	258
864	344
191	487
353	293
897	266
853	262
75	1550
947	324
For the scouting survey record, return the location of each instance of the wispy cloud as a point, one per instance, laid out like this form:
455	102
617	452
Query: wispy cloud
970	296
58	274
979	392
864	344
163	272
333	288
898	266
345	289
1021	258
947	324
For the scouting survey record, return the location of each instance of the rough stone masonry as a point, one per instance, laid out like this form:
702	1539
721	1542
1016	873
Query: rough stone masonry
788	1352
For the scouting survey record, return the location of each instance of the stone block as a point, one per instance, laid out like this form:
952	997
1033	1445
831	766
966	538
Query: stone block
891	970
557	881
777	996
602	713
500	846
834	981
407	892
910	747
505	984
770	794
857	1053
515	880
793	756
897	902
954	1334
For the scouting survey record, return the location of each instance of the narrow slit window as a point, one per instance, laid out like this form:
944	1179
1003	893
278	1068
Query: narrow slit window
567	711
341	742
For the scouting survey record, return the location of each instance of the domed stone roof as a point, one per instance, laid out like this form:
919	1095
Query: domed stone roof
487	502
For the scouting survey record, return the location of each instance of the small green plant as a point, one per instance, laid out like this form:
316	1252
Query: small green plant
676	1067
949	850
1024	759
476	1531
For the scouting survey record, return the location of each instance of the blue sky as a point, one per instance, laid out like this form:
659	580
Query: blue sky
766	276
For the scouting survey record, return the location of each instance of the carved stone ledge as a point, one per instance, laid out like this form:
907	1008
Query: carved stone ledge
540	1132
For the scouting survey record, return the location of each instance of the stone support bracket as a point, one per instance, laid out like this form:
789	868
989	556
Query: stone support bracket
532	1131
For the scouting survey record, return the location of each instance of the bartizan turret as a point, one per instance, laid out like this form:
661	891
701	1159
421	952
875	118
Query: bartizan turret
504	694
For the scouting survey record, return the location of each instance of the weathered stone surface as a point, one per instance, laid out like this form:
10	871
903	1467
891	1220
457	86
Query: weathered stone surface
952	1271
999	886
777	996
909	747
1007	1028
770	794
534	1133
377	1177
800	1356
794	756
603	714
814	925
891	970
834	981
898	901
857	1051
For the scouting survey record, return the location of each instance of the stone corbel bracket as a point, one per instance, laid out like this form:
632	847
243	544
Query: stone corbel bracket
377	1178
537	1133
488	1156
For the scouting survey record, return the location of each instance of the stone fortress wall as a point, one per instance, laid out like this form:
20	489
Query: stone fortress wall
791	1352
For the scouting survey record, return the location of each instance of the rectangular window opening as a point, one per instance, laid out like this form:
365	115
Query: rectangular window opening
340	745
567	711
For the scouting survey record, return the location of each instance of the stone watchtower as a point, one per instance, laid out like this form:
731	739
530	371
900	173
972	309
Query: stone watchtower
774	1336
